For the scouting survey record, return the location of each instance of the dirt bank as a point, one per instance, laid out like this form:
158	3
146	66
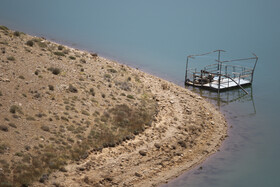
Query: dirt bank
56	99
186	130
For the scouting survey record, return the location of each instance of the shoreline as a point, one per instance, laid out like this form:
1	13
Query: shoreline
186	130
176	172
172	163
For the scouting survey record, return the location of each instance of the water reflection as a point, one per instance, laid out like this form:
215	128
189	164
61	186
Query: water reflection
225	98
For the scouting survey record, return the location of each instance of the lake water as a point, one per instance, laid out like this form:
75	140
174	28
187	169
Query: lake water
157	36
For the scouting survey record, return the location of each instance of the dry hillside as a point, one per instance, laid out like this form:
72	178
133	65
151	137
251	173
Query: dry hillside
72	118
57	104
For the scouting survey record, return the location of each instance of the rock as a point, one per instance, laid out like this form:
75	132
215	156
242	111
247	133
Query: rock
82	168
179	154
188	111
44	178
157	145
110	179
63	169
143	152
173	147
182	144
138	174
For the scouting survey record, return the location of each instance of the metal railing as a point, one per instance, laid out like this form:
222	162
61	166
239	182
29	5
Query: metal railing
220	73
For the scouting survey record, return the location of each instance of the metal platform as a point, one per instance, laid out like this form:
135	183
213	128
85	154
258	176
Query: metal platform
225	83
223	75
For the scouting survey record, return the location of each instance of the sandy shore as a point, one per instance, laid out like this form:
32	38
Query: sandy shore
186	131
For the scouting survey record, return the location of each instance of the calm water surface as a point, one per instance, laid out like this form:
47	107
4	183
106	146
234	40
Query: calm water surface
156	36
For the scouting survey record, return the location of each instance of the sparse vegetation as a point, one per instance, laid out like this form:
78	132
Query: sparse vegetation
57	125
16	33
66	51
11	58
72	89
128	121
3	148
4	28
91	91
130	96
30	43
72	57
21	77
83	60
85	113
124	85
30	118
94	55
36	72
107	76
14	109
59	53
164	86
4	128
45	128
55	71
3	50
51	87
111	70
60	47
42	44
12	125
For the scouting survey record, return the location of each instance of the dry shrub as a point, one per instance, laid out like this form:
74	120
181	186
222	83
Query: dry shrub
164	86
30	43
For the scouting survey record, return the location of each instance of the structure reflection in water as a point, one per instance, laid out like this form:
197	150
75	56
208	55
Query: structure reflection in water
227	97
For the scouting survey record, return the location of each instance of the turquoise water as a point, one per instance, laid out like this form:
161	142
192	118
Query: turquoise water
156	36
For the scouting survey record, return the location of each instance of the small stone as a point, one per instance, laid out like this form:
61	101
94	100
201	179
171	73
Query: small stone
110	179
44	178
82	168
178	154
138	174
182	144
173	147
157	145
143	152
63	169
